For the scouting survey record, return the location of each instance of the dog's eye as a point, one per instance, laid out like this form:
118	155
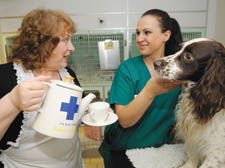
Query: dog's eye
188	57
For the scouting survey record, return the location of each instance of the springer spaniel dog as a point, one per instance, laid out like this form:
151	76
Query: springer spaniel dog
200	114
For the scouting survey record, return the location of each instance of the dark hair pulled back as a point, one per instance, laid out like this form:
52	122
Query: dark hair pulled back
168	23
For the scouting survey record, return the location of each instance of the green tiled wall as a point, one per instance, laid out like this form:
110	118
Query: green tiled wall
85	59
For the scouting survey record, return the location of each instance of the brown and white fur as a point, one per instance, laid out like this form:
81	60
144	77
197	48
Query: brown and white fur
200	114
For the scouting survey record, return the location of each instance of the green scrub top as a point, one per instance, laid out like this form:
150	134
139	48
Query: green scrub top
153	128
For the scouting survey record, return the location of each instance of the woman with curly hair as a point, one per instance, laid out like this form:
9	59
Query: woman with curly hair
39	54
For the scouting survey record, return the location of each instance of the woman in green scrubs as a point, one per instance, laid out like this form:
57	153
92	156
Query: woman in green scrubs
143	102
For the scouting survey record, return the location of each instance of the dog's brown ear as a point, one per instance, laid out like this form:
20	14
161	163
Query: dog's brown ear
209	93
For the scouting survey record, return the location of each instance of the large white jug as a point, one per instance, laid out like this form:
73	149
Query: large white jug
62	109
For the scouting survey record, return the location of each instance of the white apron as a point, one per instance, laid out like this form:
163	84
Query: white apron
33	149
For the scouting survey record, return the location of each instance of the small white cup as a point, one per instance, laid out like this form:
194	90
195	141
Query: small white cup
99	111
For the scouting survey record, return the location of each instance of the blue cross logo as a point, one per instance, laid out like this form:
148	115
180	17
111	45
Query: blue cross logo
71	108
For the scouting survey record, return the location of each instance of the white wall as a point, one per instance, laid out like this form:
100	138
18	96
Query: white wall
220	24
117	14
120	15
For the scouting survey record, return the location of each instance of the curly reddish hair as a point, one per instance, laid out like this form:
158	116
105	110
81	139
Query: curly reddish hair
40	32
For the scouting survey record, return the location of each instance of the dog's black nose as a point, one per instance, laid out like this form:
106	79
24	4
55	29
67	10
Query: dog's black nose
159	63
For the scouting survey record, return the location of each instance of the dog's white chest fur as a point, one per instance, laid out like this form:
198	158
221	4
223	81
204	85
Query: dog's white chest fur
201	140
